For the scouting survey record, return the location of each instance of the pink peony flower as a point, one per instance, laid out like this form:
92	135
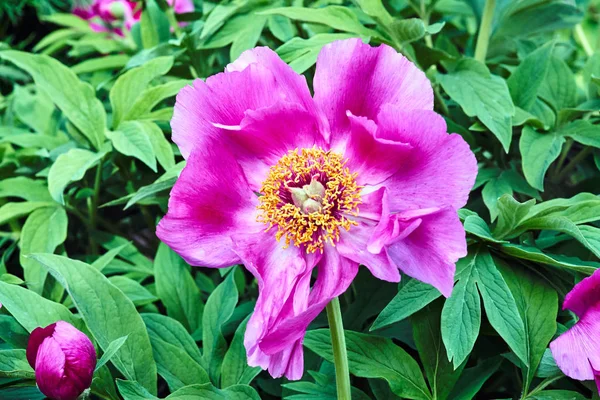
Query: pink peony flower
286	183
112	15
63	359
577	351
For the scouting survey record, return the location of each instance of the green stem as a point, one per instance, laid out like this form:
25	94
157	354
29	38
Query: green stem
563	156
94	207
580	34
484	30
573	163
173	22
338	342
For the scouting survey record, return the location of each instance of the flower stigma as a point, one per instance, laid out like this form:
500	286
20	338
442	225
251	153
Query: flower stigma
309	195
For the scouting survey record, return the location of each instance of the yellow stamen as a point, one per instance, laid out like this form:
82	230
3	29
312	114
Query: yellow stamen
320	218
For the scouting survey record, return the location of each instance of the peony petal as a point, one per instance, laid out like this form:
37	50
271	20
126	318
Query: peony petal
35	340
257	79
335	274
283	277
584	295
353	76
441	168
50	371
577	351
429	253
80	355
371	158
268	134
210	202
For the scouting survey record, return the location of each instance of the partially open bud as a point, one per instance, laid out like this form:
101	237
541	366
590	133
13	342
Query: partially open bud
64	360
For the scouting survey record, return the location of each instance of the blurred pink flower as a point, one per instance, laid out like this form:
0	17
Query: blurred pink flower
364	172
113	15
577	351
63	359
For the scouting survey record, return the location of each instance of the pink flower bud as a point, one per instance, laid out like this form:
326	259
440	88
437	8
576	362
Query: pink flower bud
64	360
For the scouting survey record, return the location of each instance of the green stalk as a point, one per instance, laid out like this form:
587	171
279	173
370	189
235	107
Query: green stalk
485	29
580	34
173	22
338	342
94	207
573	163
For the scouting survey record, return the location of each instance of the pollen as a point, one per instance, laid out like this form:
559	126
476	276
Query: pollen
309	196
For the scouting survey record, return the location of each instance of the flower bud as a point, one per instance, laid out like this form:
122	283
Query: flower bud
63	358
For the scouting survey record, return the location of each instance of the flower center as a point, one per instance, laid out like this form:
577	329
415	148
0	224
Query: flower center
308	195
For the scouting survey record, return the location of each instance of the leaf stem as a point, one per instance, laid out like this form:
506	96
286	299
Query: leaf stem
485	29
580	34
94	207
573	163
338	342
173	22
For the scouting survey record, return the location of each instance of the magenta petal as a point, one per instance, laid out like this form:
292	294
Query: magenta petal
353	76
372	158
257	79
441	169
210	201
268	134
38	335
584	295
283	277
577	351
335	274
429	253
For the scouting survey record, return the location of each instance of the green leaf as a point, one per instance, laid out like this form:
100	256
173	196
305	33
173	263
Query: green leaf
112	348
538	307
175	352
13	364
536	255
500	306
461	315
44	230
132	83
482	95
219	308
109	315
492	191
132	139
132	390
374	357
337	17
25	188
538	151
12	332
209	392
18	301
235	368
525	82
475	225
150	191
152	96
248	36
472	379
582	131
557	395
110	62
302	54
135	292
160	145
559	88
217	17
76	99
412	297
11	211
281	27
154	25
176	288
408	30
440	373
70	167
